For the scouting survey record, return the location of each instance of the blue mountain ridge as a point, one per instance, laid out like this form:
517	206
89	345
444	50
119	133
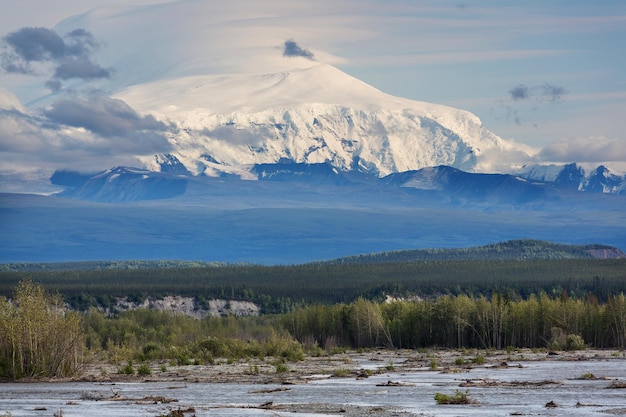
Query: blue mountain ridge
295	213
133	184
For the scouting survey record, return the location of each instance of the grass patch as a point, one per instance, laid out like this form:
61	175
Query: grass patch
479	360
127	369
341	373
144	370
459	397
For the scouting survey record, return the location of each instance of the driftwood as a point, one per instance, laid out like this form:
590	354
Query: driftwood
269	391
267	406
159	399
617	384
115	396
394	384
494	383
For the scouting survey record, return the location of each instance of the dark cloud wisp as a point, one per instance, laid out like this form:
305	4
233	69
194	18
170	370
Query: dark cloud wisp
102	115
292	49
36	44
520	92
69	56
544	92
79	67
552	92
86	133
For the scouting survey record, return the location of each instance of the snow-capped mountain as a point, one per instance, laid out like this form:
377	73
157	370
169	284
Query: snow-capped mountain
310	115
227	104
190	108
573	176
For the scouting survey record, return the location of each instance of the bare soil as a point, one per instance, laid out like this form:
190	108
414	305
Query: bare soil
350	364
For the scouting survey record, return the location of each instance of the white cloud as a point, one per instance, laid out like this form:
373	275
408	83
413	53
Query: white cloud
29	139
587	149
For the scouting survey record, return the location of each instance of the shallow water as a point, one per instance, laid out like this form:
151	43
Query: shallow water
574	397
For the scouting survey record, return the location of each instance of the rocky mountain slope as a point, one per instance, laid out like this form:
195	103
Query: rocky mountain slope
310	115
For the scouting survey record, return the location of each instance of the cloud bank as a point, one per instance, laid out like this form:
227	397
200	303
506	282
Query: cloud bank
38	50
591	149
89	133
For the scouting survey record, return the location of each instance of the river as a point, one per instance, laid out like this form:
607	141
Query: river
522	388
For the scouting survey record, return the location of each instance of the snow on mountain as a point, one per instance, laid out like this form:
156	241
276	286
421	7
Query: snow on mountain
238	99
229	98
310	115
598	179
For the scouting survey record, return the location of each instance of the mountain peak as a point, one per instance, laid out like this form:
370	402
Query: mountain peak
258	99
316	84
314	114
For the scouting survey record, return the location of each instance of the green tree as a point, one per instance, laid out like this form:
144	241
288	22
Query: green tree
616	317
41	337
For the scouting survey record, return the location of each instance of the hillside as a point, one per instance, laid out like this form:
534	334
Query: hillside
524	249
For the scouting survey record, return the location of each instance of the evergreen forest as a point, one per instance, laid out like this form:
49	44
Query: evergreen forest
54	320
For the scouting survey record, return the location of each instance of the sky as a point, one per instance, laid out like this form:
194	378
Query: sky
548	74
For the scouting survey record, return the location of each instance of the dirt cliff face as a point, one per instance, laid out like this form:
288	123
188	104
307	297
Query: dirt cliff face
189	306
607	253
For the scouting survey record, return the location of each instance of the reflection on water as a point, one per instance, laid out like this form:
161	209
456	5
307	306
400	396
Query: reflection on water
572	395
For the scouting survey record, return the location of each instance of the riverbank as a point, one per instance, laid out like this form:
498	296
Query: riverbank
357	364
386	383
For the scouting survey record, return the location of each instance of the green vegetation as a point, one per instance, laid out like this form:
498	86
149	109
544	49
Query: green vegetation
524	249
127	369
320	308
460	321
479	360
458	398
40	338
280	289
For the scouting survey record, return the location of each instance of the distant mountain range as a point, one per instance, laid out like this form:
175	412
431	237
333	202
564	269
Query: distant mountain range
122	184
511	250
286	160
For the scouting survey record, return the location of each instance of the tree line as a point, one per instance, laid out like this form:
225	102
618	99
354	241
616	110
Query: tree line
279	289
41	337
465	322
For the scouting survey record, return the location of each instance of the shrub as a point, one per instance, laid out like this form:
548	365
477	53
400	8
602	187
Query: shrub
479	360
341	373
150	351
183	360
574	342
127	369
558	340
144	370
458	398
281	368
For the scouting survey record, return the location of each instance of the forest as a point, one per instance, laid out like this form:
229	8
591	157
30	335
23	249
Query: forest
42	338
52	321
279	289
